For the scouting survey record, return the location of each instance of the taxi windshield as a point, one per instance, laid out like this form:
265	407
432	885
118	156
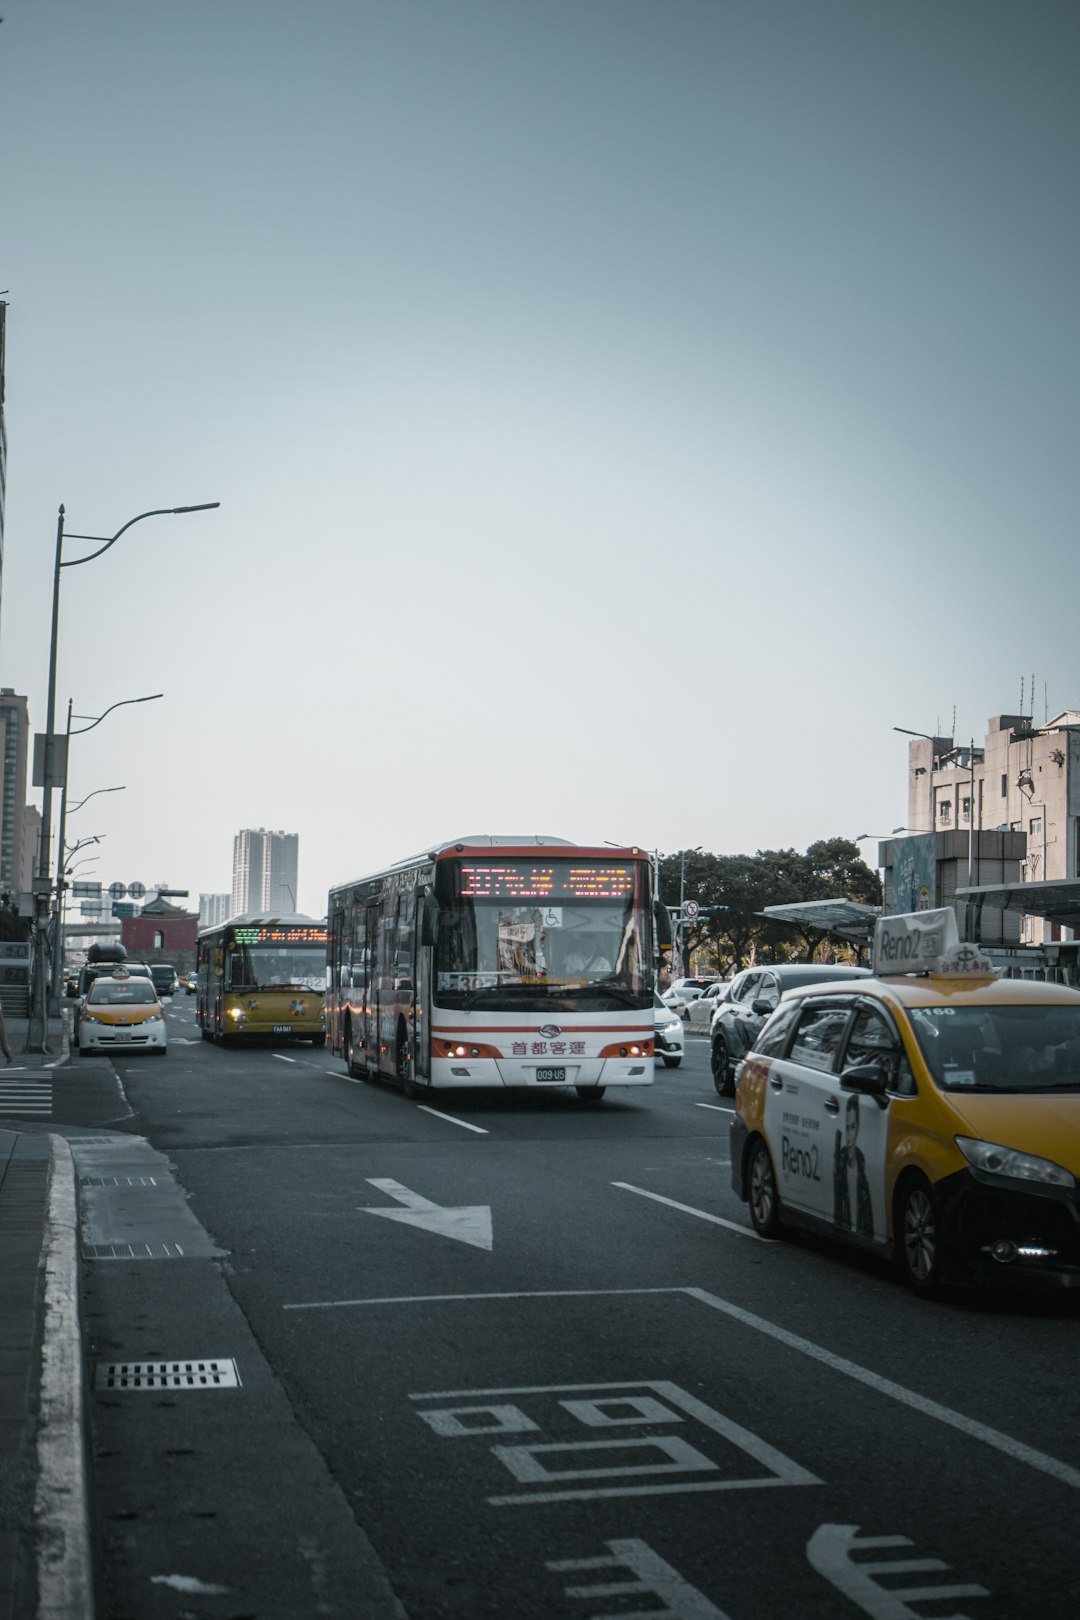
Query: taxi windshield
109	993
1007	1048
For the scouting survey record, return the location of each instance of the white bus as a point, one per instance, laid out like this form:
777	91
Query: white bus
497	962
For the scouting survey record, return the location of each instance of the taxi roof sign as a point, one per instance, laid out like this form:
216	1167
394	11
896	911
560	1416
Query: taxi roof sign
914	942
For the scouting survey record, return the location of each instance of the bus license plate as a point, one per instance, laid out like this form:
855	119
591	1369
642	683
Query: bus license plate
558	1075
282	1029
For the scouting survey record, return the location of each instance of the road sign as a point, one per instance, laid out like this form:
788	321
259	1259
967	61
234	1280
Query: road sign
117	891
690	910
136	890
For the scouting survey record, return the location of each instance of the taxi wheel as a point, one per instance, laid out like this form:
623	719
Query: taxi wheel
721	1067
918	1239
762	1196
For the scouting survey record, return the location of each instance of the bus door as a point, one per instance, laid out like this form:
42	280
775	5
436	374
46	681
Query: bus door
335	977
422	957
365	992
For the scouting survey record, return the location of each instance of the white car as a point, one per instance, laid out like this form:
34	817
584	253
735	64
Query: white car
121	1012
668	1033
698	1013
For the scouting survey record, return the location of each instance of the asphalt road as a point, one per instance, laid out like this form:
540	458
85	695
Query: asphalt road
526	1357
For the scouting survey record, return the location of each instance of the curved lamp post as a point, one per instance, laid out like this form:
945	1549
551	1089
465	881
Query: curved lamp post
37	1034
66	810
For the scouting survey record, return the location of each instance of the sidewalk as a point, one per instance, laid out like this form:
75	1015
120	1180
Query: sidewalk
45	1568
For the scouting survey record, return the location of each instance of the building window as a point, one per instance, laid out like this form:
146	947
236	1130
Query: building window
966	809
159	940
1004	787
1035	825
944	810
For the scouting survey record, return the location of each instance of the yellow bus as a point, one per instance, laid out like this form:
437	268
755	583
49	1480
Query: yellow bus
265	976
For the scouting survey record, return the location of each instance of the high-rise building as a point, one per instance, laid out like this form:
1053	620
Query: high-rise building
213	909
3	443
264	871
18	843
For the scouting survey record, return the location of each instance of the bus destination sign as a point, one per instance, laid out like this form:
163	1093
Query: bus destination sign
283	935
522	880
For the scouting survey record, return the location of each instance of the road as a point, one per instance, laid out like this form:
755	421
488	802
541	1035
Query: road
503	1357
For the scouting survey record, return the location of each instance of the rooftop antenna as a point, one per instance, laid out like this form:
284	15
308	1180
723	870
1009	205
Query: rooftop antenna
953	733
1046	703
1033	694
1021	694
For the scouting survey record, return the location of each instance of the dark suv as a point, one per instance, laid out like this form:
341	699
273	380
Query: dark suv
754	995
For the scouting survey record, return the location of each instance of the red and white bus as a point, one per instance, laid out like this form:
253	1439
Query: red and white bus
497	962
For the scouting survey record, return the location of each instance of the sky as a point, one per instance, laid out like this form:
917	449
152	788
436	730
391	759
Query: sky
623	412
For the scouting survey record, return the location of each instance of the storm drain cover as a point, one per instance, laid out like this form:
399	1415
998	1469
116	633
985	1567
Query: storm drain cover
211	1373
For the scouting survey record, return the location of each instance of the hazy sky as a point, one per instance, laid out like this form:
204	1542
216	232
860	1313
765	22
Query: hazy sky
624	412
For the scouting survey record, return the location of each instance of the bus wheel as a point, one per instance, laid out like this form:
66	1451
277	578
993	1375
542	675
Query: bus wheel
590	1093
403	1065
318	1040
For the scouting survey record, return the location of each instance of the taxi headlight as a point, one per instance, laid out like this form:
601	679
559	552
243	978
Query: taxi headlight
88	1018
1002	1161
152	1018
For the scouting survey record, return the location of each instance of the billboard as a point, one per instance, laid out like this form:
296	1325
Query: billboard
915	873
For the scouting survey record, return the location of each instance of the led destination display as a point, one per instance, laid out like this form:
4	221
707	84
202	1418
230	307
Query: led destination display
283	935
525	880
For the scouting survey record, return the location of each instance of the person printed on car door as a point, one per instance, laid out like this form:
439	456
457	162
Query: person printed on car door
851	1189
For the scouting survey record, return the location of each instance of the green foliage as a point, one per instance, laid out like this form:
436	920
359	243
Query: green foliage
733	890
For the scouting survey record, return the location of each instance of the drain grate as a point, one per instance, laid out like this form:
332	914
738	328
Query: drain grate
117	1181
210	1373
132	1251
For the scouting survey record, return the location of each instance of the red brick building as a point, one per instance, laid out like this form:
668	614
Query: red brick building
161	933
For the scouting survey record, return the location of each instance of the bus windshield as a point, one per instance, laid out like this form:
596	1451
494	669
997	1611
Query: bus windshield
513	935
276	967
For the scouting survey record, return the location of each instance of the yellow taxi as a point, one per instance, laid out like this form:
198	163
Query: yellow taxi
930	1113
121	1011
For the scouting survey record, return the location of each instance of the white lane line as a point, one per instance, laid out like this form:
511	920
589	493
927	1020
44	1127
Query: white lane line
282	1058
715	1106
464	1123
1005	1443
687	1209
449	1299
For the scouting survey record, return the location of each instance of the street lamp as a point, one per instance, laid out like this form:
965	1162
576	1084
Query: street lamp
65	811
71	809
37	1034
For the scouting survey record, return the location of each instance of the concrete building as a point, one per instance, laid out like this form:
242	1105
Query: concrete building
994	830
213	909
264	871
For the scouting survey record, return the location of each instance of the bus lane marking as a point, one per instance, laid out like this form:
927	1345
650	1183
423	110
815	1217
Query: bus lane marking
687	1209
717	1108
830	1551
1008	1445
468	1223
282	1058
718	1454
652	1576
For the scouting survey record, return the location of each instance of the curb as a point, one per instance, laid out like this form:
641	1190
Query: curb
61	1504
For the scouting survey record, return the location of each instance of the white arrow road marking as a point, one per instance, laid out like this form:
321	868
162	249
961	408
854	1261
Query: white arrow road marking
469	1224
